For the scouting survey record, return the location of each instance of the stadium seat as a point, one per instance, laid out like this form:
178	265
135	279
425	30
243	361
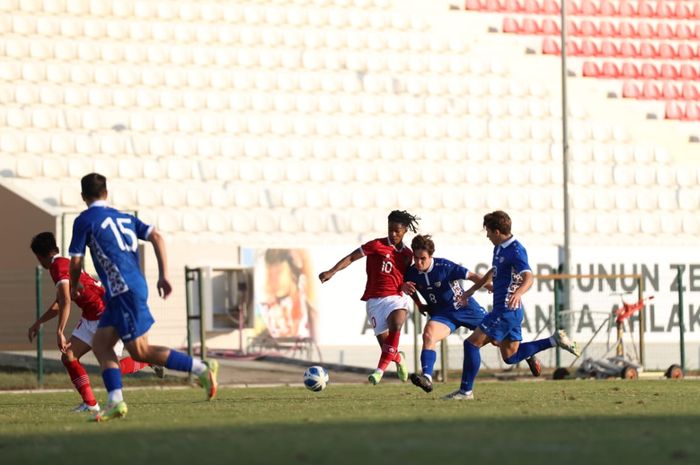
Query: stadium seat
629	71
692	111
649	71
591	69
689	72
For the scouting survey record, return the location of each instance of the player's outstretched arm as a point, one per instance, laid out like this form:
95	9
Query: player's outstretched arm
49	314
164	287
342	264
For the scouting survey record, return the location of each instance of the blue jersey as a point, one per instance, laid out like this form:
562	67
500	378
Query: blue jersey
510	260
440	286
113	240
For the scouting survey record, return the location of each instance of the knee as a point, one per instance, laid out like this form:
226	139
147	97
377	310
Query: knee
428	341
67	358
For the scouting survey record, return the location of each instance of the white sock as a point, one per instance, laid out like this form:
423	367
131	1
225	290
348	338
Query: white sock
430	377
198	367
115	396
379	370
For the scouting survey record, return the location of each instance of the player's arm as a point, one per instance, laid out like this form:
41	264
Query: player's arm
76	267
49	314
63	301
479	282
164	287
528	279
342	264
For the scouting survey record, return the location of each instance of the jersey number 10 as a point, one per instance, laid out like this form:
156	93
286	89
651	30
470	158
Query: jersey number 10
387	267
127	233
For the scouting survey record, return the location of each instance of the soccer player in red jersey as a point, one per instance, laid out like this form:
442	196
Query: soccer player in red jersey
90	302
388	258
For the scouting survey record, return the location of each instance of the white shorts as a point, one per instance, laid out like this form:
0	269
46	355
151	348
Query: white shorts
85	331
379	309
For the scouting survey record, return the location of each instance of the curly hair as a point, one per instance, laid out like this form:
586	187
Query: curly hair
404	218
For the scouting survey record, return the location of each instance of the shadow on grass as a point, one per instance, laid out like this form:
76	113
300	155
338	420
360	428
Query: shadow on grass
560	440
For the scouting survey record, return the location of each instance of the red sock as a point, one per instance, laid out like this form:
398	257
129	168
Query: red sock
81	381
389	350
128	365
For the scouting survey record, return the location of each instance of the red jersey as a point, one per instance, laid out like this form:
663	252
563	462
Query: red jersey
386	265
90	300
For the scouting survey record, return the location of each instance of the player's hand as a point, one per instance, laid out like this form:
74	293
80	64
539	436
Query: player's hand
33	331
164	288
408	288
514	301
76	291
424	309
325	276
63	345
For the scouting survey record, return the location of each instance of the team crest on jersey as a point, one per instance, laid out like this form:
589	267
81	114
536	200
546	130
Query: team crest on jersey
438	283
500	259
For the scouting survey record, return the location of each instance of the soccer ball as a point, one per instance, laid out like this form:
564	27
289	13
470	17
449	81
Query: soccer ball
315	378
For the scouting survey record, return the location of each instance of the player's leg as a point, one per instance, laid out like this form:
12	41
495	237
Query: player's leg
76	371
206	372
103	348
393	311
435	330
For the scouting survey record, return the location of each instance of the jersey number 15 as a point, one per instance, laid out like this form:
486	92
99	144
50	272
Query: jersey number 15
120	226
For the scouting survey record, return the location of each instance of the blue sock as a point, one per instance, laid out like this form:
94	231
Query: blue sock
529	349
179	361
427	361
472	363
112	378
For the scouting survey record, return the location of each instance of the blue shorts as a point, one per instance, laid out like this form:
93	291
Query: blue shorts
129	314
469	317
503	324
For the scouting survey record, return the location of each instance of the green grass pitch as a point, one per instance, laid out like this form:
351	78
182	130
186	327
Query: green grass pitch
552	422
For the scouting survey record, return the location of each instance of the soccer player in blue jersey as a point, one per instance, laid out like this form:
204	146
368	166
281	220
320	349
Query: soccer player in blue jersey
512	278
113	240
437	280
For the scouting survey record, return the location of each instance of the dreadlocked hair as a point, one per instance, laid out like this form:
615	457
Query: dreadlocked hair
404	218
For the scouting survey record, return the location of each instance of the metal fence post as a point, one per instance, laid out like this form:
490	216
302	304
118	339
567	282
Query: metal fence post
557	317
681	321
39	338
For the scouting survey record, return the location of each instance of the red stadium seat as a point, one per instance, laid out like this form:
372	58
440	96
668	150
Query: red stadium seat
608	29
513	6
664	10
692	111
474	5
650	91
631	90
550	27
532	6
688	72
608	8
646	30
550	46
573	28
664	31
609	49
648	50
573	8
628	8
589	49
493	5
649	71
510	25
551	7
572	48
588	28
627	29
685	52
682	31
666	51
690	92
530	26
669	71
646	9
629	70
589	8
673	111
628	49
670	91
696	11
610	70
683	11
590	69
